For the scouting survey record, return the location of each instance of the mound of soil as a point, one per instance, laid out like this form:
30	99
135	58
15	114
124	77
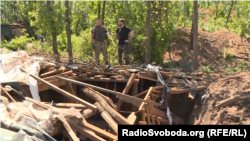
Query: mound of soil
235	113
211	47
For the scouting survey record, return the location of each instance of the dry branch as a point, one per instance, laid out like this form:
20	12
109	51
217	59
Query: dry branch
93	94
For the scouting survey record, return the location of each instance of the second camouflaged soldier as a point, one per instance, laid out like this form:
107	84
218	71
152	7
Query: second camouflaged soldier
98	37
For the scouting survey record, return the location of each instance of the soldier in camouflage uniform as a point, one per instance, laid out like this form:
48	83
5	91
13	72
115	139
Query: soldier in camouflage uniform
98	37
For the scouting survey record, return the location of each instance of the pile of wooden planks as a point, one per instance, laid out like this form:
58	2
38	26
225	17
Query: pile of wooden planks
145	102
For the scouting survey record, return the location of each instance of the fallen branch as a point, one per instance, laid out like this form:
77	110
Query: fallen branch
93	94
231	100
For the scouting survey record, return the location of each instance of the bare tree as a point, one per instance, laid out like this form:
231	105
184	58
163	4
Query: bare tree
54	38
229	12
99	9
147	53
68	32
103	11
195	36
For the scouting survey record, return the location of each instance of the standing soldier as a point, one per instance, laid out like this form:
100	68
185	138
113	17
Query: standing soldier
121	35
98	37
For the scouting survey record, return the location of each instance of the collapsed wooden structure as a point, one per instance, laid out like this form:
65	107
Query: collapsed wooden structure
144	107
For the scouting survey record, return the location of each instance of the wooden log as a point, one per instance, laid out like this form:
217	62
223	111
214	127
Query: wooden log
126	89
126	98
53	77
65	93
62	69
8	94
231	100
88	113
107	118
85	132
110	102
92	94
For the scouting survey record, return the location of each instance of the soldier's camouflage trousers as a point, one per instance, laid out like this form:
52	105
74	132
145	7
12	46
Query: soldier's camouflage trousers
100	47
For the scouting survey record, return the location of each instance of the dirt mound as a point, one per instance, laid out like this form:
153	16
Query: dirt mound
237	112
228	38
211	48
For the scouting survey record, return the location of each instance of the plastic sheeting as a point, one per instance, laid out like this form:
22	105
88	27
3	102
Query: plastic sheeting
9	70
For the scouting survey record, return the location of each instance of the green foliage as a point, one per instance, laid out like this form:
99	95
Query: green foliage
227	55
206	69
17	43
170	65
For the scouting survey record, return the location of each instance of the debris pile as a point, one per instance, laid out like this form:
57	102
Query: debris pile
138	95
227	102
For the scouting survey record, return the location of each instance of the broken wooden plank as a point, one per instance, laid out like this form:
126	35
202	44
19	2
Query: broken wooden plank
151	113
98	130
155	115
126	89
8	94
107	117
147	113
68	128
121	96
85	132
142	76
63	92
142	104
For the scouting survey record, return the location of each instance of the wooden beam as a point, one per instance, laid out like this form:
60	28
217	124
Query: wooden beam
65	93
99	131
142	104
121	96
126	89
86	132
44	87
107	118
8	94
68	128
105	80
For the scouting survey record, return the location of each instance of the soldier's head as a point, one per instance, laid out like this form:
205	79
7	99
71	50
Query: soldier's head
121	22
99	22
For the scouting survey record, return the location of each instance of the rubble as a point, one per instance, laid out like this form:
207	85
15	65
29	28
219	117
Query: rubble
119	94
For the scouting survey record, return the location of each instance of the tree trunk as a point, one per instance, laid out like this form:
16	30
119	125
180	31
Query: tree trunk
56	53
147	53
99	9
94	95
191	36
195	36
229	12
103	11
216	12
184	14
68	32
54	39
